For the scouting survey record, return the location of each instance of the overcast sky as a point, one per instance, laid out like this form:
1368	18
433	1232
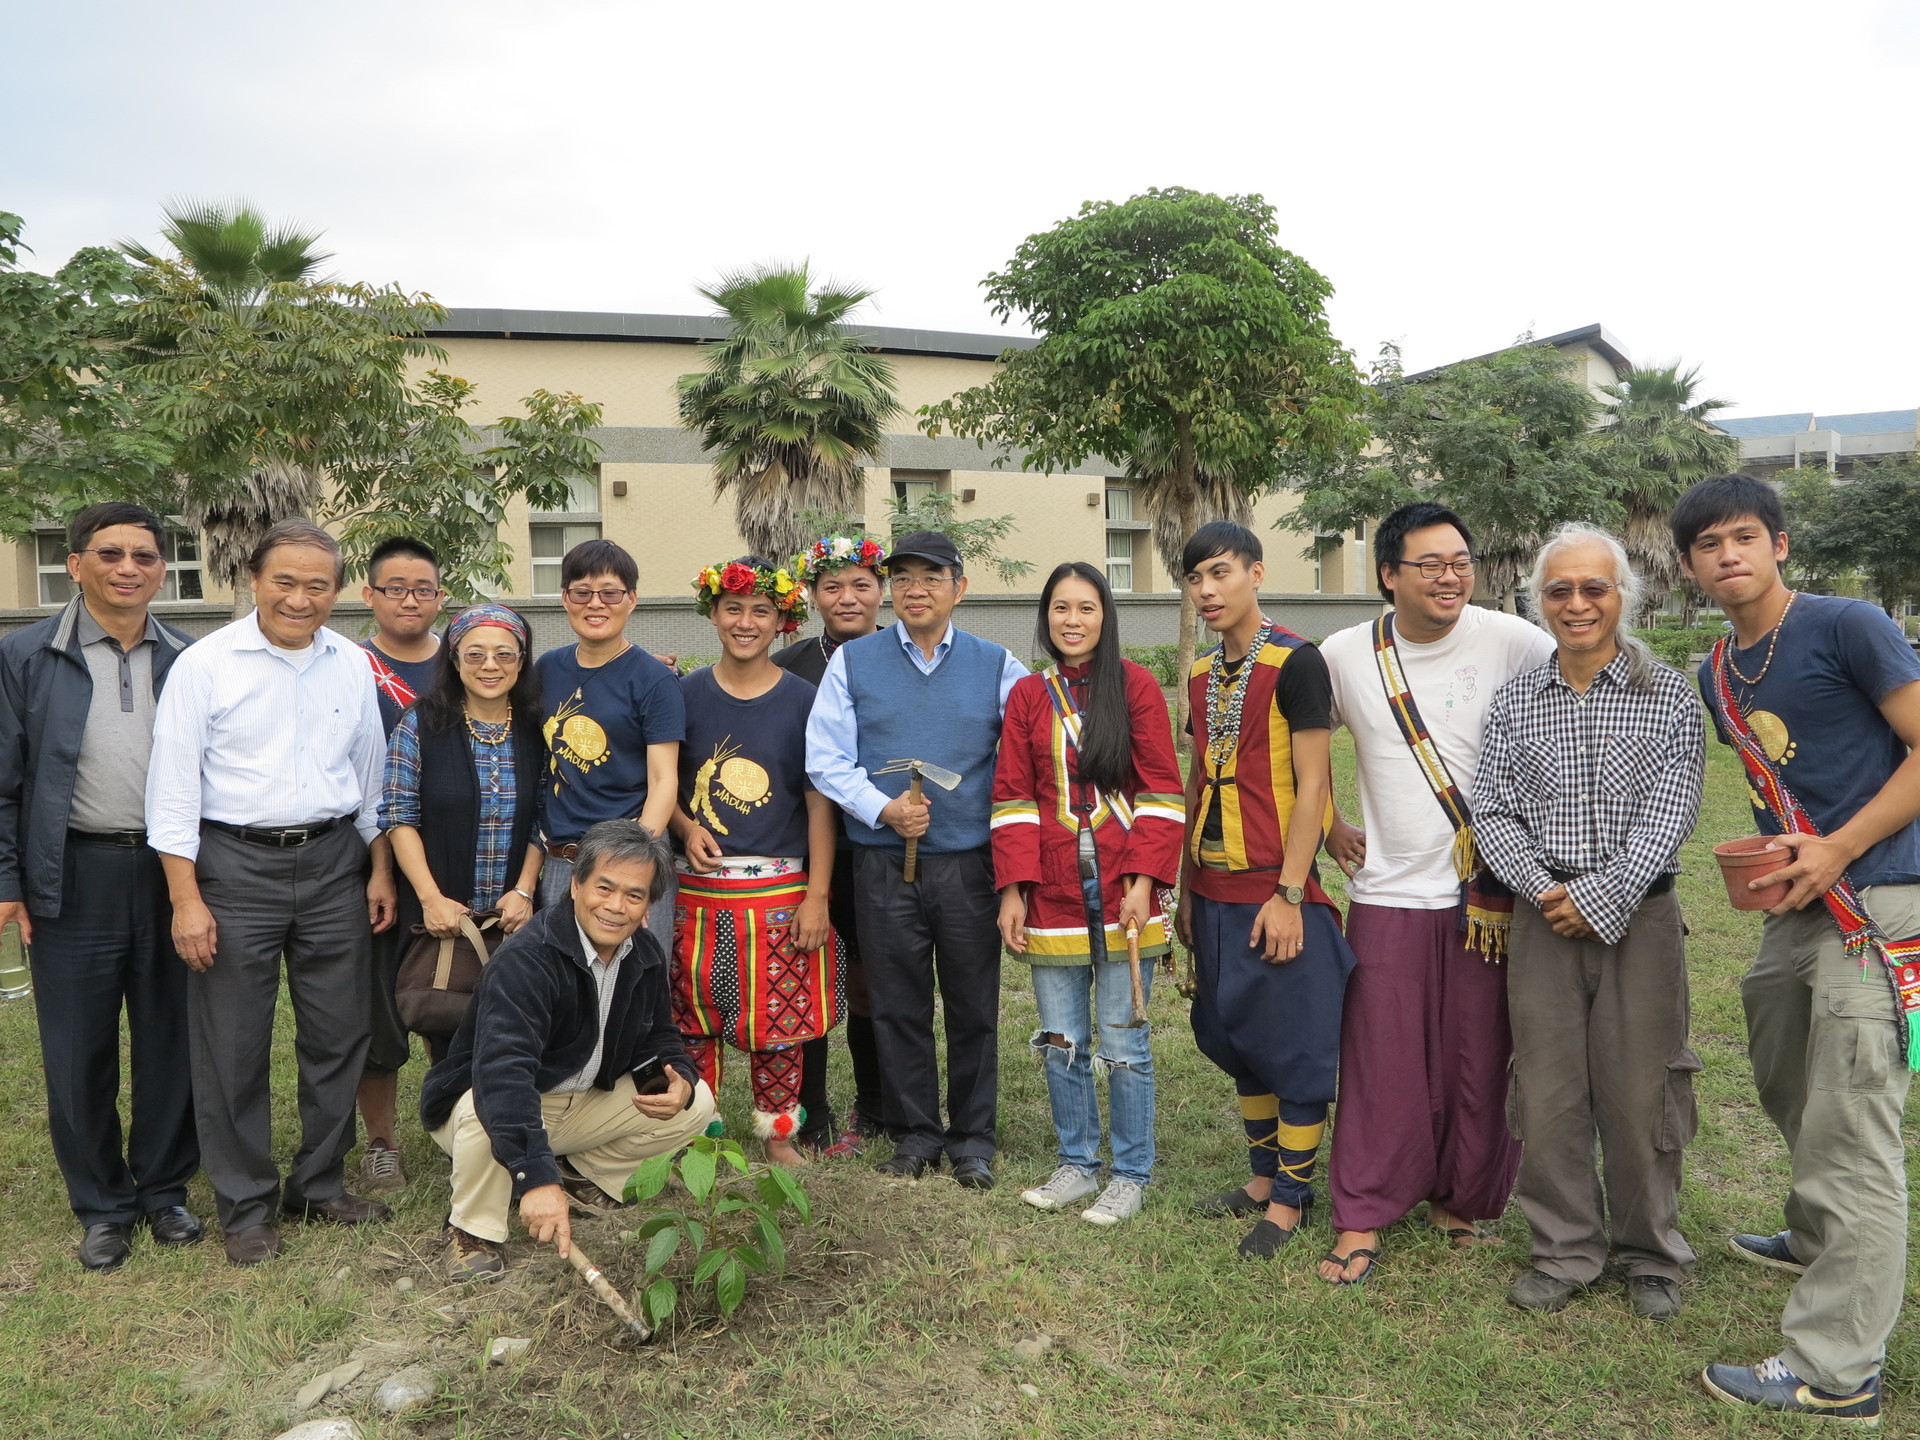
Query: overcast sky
1732	184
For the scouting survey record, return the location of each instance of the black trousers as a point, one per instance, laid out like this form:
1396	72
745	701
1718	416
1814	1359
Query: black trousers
858	1027
309	904
113	947
942	926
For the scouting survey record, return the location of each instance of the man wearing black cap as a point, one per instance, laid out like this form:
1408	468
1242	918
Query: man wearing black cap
923	690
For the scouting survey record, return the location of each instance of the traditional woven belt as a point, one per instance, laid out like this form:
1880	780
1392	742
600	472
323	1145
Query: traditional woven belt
286	837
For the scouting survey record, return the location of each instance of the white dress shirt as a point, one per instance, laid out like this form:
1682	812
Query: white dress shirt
251	734
606	975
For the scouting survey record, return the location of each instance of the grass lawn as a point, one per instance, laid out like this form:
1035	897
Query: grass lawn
900	1309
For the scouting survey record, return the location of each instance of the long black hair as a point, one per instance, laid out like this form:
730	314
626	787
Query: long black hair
1106	730
444	707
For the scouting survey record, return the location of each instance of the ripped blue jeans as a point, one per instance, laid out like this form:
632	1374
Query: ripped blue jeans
1068	996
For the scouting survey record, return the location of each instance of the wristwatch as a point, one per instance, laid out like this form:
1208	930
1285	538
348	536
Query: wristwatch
1292	894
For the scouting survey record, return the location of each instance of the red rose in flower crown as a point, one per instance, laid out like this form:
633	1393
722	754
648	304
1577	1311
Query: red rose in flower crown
733	578
838	552
737	578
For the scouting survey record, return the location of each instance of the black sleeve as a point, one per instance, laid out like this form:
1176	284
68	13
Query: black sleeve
1304	692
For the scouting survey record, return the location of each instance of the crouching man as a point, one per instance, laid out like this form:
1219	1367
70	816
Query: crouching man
568	1071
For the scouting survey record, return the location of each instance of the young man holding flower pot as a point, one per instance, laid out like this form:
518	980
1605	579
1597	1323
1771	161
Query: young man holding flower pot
1820	697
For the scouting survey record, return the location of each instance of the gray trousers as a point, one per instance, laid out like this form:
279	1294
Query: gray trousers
556	888
308	904
1827	1063
1600	1051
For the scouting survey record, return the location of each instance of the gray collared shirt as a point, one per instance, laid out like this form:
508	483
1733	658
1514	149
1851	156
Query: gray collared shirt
605	974
110	782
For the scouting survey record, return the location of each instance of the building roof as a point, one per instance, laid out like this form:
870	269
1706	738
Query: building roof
1865	422
692	329
1595	335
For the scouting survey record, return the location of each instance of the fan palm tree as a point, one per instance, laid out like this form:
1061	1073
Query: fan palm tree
790	403
1662	434
236	256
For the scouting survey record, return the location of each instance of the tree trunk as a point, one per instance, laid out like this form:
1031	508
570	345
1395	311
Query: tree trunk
1185	483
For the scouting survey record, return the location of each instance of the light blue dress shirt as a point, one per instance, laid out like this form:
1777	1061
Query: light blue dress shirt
833	730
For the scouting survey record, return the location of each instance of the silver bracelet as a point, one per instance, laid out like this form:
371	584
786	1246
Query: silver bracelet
522	894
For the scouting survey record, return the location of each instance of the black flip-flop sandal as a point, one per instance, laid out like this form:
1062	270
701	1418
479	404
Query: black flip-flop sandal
1372	1257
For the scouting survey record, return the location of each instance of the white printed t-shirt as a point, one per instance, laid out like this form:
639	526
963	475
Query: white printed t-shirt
1409	840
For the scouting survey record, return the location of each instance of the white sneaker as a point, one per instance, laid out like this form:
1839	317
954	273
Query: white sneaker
1066	1186
1120	1200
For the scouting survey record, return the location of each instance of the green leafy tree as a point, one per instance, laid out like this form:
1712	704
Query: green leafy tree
1661	430
978	540
1865	523
1508	441
236	256
1177	338
791	404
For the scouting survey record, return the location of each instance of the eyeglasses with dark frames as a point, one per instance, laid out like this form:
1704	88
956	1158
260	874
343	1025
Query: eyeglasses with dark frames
114	554
1434	569
400	592
581	595
1561	591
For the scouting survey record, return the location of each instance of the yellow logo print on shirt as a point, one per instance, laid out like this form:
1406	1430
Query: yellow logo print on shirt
575	737
737	783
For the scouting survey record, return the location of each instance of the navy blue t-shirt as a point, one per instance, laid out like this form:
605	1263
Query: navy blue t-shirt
418	676
743	770
1816	713
599	724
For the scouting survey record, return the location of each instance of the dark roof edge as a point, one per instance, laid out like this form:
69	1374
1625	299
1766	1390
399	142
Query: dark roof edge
692	329
1595	335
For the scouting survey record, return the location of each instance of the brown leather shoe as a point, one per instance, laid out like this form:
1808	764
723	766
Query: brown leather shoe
252	1245
471	1258
342	1209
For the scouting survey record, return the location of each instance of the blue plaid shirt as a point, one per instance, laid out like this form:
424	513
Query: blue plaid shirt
400	799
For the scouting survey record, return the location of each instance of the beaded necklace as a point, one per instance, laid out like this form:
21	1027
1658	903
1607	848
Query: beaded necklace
1226	696
1772	645
502	732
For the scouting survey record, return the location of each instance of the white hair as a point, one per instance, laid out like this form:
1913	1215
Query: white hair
1640	660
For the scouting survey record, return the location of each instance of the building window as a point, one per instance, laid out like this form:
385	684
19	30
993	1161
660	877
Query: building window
181	547
910	487
550	545
1120	559
583	495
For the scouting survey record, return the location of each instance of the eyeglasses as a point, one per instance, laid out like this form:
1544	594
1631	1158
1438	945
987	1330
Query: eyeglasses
1561	591
114	554
474	659
400	592
901	584
1434	569
581	595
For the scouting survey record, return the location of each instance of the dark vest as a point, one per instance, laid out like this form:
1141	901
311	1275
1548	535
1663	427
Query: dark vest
450	805
951	717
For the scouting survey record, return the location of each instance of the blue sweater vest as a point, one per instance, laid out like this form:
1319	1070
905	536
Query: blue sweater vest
951	717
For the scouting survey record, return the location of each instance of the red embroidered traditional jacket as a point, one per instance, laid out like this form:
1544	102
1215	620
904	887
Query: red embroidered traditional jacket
1035	834
1254	786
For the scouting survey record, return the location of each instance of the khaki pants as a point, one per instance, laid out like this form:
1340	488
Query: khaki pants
599	1131
1600	1051
1827	1063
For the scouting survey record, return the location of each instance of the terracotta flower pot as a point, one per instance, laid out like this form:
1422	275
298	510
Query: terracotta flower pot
1748	859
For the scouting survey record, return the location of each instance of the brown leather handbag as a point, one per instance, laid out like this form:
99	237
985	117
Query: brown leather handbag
437	974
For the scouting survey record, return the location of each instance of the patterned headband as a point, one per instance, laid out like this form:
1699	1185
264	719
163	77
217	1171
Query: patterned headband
486	614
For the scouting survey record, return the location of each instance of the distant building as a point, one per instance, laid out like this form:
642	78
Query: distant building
1772	443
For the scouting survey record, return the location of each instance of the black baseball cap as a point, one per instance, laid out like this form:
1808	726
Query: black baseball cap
928	545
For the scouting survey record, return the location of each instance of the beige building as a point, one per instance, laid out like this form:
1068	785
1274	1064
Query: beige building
653	491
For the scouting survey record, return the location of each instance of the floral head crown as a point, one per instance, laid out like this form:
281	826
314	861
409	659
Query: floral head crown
733	578
838	552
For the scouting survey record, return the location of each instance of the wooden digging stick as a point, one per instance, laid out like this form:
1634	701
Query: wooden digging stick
913	845
1139	1016
603	1287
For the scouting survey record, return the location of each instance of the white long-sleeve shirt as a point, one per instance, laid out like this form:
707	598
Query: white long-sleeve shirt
251	734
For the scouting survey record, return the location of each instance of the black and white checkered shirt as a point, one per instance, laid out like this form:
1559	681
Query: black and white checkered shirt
1603	787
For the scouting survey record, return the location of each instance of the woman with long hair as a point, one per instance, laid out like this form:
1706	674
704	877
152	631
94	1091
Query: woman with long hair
462	796
1088	814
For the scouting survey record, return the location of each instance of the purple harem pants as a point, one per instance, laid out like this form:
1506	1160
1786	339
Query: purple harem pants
1424	1046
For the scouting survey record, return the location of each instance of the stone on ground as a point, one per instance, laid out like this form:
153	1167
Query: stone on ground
1032	1347
407	1390
321	1386
334	1427
506	1348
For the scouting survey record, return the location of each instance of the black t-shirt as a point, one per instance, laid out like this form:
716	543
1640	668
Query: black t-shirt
806	658
417	675
1303	694
743	767
600	722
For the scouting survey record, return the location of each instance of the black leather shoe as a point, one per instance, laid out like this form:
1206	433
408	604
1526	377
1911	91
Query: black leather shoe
175	1225
973	1171
106	1247
342	1209
252	1245
907	1167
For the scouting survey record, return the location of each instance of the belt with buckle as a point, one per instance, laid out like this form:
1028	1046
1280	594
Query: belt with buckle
278	837
1661	885
125	839
563	852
